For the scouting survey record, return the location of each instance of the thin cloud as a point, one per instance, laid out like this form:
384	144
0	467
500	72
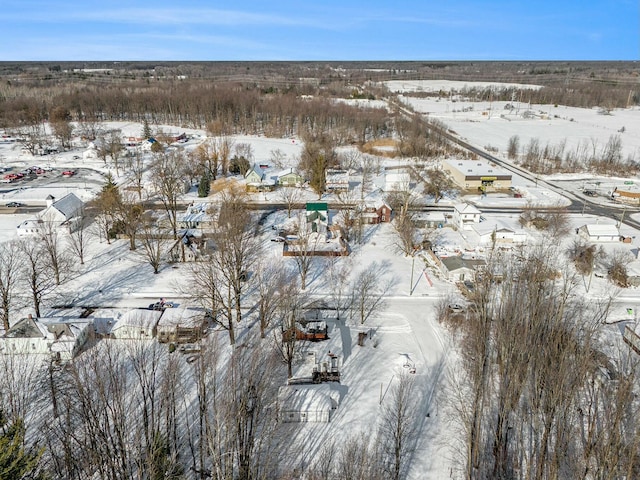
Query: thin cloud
162	16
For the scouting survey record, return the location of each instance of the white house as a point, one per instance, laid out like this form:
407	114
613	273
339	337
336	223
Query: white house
136	324
599	233
465	215
58	213
63	210
62	338
31	227
396	181
501	234
307	403
459	269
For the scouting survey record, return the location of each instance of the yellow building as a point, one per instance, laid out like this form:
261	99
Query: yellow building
478	175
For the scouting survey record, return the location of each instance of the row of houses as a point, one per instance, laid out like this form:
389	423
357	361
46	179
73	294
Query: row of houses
62	338
468	218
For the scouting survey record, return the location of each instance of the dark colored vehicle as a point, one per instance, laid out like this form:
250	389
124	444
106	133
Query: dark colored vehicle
590	193
15	205
161	305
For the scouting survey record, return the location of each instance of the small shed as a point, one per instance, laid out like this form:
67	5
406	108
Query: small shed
307	403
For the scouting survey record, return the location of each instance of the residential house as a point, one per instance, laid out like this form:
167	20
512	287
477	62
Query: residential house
258	180
465	215
431	220
627	194
196	216
136	324
188	247
317	216
337	181
61	338
147	144
459	269
58	213
380	212
181	325
599	233
289	178
62	211
396	181
33	227
499	234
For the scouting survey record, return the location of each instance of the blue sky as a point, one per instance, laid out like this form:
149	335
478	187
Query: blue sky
327	30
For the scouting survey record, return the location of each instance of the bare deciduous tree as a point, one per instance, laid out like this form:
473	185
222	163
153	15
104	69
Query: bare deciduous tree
57	259
36	273
80	234
397	427
272	283
291	196
168	179
368	291
155	244
10	263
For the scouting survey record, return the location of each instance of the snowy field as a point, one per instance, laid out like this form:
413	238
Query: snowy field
489	124
406	335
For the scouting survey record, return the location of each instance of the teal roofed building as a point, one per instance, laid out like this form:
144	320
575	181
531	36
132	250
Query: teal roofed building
318	216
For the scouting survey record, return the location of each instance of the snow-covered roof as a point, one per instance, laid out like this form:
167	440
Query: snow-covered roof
466	208
476	168
28	328
307	398
600	230
69	206
458	262
181	316
139	318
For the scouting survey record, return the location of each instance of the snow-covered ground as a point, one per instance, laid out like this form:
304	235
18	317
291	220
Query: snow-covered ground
406	333
490	124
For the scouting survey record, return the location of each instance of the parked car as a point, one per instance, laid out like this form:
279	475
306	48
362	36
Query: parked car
15	205
455	308
277	239
76	157
161	305
68	173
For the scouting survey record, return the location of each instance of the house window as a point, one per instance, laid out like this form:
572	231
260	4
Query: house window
33	346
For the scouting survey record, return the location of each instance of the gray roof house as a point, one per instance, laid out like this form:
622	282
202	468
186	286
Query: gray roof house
63	210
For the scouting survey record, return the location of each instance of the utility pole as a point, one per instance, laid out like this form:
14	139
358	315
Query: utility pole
622	216
413	261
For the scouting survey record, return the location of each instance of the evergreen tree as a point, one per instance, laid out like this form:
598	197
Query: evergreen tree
17	461
146	130
205	186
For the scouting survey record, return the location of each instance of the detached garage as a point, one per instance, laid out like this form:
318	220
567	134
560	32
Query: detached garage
600	233
307	403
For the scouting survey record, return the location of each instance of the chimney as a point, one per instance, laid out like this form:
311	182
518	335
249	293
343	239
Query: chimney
50	200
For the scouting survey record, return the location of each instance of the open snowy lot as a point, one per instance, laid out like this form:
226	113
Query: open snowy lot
491	124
